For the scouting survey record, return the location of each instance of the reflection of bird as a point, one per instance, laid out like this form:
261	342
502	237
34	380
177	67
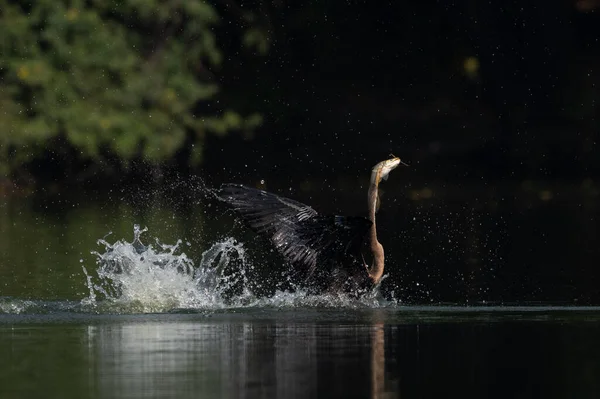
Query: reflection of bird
325	248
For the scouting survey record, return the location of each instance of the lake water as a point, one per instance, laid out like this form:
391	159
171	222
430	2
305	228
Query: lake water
303	352
483	298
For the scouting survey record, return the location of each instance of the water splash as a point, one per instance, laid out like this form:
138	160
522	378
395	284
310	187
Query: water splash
158	278
15	306
133	277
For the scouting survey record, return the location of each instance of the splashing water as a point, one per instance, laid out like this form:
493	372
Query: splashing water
149	279
132	277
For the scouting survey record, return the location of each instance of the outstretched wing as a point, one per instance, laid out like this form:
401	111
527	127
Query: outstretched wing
296	230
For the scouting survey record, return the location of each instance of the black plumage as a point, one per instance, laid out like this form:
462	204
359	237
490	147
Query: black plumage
325	249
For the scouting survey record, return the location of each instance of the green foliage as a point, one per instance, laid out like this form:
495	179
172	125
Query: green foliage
129	79
256	38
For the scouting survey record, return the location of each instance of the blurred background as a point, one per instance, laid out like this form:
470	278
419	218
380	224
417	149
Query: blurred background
493	104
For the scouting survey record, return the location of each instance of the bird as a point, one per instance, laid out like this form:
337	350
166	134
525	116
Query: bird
324	250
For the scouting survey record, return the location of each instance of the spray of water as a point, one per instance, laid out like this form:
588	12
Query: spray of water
132	277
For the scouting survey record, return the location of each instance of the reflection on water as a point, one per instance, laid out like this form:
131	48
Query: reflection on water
374	353
153	359
229	360
377	360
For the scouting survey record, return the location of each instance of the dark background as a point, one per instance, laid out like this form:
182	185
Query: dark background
346	83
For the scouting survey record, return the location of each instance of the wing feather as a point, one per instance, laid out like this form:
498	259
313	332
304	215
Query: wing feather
298	232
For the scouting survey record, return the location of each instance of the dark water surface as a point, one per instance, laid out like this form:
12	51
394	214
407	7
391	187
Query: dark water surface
67	331
528	242
414	352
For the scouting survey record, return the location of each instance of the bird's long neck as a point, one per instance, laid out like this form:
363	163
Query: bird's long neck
376	270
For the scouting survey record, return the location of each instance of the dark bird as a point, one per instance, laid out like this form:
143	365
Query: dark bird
326	250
